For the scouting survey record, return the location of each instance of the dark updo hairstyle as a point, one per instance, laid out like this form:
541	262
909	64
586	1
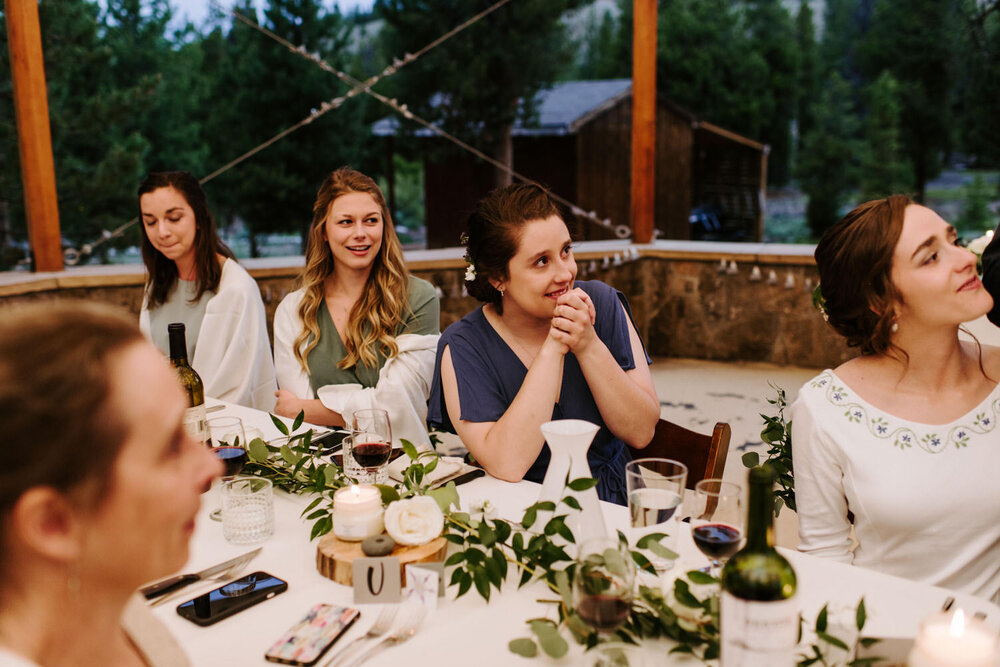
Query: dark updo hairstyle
59	356
854	258
162	272
494	232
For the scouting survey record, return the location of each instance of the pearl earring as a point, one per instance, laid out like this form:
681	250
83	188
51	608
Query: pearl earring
500	289
895	327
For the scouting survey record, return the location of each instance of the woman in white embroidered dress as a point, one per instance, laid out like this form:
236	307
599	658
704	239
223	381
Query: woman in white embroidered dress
361	332
193	278
903	436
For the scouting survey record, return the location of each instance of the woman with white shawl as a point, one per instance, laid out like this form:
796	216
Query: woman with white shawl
360	332
194	278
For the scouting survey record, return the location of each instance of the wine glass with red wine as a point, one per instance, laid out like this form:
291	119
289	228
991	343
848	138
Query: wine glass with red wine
370	446
717	520
228	441
603	583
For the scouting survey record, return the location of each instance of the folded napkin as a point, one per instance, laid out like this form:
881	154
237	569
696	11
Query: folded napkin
446	467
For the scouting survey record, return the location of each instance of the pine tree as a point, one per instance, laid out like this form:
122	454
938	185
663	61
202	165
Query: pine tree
485	77
884	168
98	149
261	88
772	35
914	40
809	69
827	166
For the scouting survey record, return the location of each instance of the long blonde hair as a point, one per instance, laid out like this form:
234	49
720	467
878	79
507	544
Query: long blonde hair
373	320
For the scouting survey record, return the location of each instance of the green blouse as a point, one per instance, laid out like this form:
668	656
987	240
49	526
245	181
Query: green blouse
423	317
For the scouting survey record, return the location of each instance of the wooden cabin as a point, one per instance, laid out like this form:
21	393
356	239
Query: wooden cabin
710	182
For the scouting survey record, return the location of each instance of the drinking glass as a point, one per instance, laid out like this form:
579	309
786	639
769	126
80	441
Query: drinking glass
247	510
717	520
367	450
603	583
655	498
228	442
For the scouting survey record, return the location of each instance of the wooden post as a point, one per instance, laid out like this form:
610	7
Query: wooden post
643	120
33	134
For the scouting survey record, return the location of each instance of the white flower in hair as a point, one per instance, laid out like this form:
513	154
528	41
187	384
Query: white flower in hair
470	273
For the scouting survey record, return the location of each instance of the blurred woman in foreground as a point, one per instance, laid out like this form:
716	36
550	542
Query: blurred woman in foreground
99	488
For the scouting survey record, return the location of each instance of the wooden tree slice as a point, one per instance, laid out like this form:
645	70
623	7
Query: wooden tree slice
334	557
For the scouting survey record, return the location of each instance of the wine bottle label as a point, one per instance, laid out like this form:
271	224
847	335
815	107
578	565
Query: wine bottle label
758	634
195	422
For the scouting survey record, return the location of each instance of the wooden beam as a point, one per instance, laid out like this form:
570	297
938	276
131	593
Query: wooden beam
643	120
33	135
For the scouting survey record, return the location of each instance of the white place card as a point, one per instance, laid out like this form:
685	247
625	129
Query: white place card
376	580
421	586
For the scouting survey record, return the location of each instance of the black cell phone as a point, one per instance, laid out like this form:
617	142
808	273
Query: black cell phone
329	442
234	597
306	641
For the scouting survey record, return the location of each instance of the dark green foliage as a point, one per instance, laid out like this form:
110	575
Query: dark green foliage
260	88
827	166
915	40
884	168
476	85
807	89
975	214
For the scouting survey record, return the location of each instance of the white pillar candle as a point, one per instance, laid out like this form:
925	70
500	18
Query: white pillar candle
357	512
952	640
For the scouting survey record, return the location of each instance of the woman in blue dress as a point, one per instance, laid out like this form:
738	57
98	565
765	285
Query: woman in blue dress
543	346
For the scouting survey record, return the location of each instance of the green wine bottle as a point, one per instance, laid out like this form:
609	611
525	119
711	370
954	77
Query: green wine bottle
194	418
759	616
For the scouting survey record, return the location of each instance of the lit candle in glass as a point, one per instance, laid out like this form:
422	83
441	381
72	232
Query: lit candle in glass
952	640
357	512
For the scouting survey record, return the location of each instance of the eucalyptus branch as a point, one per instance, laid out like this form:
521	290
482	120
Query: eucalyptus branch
777	435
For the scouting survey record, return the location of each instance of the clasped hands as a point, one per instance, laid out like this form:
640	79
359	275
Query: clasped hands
573	322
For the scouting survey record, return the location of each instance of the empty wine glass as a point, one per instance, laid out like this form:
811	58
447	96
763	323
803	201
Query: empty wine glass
655	497
603	583
717	520
228	442
367	453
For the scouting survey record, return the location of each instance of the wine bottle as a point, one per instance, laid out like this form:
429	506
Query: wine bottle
194	418
759	616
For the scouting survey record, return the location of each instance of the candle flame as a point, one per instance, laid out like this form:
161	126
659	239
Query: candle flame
355	491
957	624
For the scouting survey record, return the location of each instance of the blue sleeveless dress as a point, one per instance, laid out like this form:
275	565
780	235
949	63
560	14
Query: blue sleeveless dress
489	375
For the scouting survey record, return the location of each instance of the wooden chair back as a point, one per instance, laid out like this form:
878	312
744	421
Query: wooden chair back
704	455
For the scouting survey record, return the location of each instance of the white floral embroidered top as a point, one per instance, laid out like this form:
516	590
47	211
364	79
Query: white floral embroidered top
925	498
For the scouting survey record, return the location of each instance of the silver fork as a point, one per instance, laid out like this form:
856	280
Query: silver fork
379	628
219	578
407	628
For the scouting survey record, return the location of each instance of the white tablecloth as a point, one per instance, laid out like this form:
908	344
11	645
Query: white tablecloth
470	631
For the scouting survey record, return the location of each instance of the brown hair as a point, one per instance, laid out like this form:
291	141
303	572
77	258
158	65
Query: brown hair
494	232
380	310
854	258
162	272
56	357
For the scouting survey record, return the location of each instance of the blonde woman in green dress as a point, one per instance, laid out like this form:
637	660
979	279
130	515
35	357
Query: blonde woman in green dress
360	332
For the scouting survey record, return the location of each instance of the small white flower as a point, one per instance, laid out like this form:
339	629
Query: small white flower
414	521
979	245
470	273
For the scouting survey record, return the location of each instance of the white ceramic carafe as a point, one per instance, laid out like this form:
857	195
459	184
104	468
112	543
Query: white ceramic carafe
569	440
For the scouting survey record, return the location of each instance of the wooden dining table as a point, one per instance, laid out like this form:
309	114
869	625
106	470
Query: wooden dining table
469	631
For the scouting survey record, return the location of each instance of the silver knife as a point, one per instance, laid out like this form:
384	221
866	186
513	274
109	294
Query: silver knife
182	580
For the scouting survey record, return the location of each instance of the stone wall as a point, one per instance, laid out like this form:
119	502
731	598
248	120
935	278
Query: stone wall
684	304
